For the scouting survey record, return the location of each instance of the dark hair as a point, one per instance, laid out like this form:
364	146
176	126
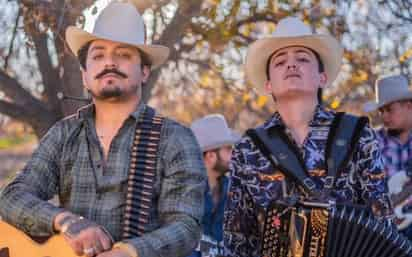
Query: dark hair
82	56
321	68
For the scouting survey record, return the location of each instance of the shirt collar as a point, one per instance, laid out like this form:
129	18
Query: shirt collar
321	117
87	111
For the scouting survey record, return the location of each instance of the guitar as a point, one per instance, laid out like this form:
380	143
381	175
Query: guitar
14	243
401	199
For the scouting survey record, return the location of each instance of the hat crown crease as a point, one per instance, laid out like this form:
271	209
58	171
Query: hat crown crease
292	27
127	27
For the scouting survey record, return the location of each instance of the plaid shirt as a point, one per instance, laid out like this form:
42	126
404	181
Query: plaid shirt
395	154
255	182
69	162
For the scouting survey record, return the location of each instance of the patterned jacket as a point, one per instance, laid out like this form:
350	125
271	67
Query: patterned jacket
255	182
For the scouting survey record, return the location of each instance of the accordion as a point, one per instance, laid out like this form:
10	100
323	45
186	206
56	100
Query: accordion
312	229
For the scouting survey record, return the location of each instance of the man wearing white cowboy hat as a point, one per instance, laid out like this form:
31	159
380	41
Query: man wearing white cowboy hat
293	66
216	140
130	183
394	104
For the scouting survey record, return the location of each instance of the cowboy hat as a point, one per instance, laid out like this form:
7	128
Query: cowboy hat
212	132
120	22
291	31
389	89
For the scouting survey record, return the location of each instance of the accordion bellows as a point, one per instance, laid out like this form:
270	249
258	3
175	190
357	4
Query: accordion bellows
312	230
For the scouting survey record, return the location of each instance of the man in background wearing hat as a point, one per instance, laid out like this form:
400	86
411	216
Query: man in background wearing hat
216	140
293	66
394	104
85	158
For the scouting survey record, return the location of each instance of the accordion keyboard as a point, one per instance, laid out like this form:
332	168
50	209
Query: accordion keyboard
335	231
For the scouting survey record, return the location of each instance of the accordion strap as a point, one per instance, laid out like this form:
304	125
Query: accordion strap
142	173
276	146
344	134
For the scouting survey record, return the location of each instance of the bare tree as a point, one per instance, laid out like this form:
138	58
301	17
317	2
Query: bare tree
43	23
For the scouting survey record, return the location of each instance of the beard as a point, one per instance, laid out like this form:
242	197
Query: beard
395	132
221	166
113	92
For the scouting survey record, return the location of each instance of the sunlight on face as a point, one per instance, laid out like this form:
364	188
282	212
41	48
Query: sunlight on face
294	72
113	71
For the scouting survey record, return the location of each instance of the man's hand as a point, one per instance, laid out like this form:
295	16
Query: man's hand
89	240
84	236
114	253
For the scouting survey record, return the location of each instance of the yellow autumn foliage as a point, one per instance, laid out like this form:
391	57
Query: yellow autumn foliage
261	101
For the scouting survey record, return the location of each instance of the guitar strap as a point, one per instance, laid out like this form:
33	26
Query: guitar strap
4	252
142	173
283	154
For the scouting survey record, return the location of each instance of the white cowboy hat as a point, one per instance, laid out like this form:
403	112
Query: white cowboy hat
120	22
212	132
389	89
291	31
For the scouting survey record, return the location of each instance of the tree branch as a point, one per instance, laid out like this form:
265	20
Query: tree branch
39	119
172	34
177	27
397	11
49	74
13	37
12	110
13	89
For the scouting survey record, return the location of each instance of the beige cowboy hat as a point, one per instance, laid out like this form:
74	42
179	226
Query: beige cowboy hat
389	89
212	132
291	31
120	22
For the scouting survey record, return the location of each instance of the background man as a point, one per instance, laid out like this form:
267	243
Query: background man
216	140
394	104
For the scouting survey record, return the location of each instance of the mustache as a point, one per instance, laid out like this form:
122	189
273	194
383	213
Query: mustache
107	71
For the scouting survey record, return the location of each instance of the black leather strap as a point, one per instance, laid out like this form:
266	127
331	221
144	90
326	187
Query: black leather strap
283	155
343	136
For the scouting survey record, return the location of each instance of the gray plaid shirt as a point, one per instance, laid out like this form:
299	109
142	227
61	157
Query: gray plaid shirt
69	163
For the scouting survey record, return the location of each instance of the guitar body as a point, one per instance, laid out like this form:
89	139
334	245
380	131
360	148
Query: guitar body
402	219
400	190
14	243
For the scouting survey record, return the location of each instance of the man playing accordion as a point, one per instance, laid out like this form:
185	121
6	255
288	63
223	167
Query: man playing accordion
294	65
